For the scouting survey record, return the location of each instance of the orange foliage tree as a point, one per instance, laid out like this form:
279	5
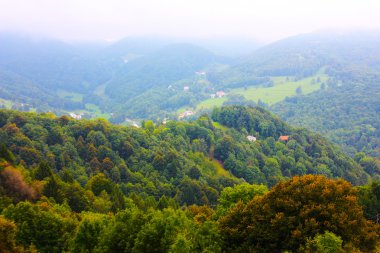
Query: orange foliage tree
295	210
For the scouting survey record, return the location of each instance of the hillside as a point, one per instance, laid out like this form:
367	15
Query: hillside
157	78
303	55
337	75
111	188
144	78
348	113
112	78
177	150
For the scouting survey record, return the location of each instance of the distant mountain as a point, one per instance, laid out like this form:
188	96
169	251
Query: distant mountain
51	64
159	69
304	55
229	47
135	46
139	78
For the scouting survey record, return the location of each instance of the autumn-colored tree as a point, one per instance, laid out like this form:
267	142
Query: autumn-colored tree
296	210
14	185
8	231
107	164
201	213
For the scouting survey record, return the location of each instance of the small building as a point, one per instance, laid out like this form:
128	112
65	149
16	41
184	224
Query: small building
284	138
212	95
251	138
186	114
186	88
200	73
75	116
220	94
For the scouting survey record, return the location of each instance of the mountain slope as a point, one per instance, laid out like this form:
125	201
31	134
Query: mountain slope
158	70
348	113
176	150
304	55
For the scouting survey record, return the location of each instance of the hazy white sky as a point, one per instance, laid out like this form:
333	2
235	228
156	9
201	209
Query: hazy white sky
265	20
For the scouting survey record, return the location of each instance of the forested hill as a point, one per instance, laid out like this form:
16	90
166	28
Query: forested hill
347	111
173	158
61	180
158	70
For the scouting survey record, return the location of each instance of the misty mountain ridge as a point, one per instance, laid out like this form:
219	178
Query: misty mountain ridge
141	78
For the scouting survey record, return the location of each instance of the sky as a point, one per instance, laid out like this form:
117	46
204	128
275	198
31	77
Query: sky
261	20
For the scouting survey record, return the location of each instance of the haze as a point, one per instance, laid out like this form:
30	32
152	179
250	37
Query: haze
266	20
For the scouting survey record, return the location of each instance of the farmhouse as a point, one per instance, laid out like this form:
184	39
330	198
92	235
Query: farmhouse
75	116
284	138
186	114
220	94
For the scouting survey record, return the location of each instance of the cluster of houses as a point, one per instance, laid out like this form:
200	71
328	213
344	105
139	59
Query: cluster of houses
186	114
218	94
283	138
20	107
76	116
200	73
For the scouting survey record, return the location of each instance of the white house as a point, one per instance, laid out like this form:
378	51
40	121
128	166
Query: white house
186	88
251	138
75	116
186	114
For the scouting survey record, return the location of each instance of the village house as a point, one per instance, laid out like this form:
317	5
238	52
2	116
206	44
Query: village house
186	88
200	73
220	94
284	138
212	95
251	138
186	114
75	116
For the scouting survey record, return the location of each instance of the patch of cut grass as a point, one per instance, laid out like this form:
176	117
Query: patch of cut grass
76	97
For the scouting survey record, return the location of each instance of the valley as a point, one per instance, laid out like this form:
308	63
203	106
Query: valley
189	126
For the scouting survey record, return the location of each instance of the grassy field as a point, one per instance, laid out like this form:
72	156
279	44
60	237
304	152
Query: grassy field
7	103
210	103
219	126
95	110
76	97
282	87
220	171
100	90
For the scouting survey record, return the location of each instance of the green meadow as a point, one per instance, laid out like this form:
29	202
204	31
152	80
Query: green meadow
76	97
283	87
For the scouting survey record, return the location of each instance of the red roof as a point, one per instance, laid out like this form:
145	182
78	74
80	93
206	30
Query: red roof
284	138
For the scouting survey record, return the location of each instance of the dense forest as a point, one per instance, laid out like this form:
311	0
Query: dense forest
347	111
198	186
